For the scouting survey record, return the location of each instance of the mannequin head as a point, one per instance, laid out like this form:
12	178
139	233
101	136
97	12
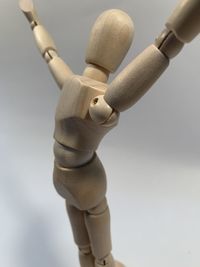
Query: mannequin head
110	40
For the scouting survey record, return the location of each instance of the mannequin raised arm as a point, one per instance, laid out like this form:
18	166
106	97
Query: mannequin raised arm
45	44
135	80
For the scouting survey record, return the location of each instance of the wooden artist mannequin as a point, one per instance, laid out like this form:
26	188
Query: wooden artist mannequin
89	107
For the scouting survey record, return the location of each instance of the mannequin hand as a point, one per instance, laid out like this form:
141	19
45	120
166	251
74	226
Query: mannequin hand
26	5
28	9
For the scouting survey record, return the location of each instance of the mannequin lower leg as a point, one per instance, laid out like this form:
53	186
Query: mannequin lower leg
80	236
98	226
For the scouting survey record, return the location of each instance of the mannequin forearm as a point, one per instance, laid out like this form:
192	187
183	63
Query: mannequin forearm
138	77
185	20
42	37
45	44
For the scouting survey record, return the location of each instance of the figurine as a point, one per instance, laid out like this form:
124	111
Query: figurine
89	107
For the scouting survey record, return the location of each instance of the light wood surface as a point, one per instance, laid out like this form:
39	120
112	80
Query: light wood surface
134	81
110	39
74	127
185	20
29	11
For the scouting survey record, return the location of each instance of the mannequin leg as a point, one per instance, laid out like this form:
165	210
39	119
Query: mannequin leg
80	236
84	189
98	225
